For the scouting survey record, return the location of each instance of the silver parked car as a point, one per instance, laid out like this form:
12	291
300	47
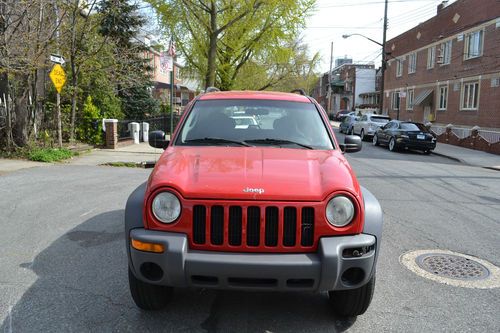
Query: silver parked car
368	125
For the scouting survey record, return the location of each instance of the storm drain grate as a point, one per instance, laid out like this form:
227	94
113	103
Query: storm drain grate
451	266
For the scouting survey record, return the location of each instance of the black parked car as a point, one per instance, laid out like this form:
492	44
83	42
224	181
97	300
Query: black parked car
347	123
404	134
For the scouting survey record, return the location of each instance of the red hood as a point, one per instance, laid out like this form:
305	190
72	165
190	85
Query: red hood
260	173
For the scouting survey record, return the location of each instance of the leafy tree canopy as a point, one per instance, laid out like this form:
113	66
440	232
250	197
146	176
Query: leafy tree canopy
218	38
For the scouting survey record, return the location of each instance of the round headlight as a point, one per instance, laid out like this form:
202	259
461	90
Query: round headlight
166	207
340	211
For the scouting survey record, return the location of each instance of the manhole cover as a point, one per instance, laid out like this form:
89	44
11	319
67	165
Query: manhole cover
451	266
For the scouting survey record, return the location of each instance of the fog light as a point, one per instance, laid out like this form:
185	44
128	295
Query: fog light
147	247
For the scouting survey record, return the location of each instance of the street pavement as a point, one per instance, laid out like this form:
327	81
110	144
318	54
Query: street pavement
64	263
459	154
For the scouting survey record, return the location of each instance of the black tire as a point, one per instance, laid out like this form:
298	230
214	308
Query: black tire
148	296
375	140
392	145
362	135
427	151
354	302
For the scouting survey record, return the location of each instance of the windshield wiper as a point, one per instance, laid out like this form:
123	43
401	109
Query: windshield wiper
216	141
278	142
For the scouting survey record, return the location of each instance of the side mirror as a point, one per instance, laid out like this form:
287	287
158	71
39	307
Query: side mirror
352	144
157	140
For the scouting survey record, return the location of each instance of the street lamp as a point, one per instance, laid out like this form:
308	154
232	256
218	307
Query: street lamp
381	102
371	40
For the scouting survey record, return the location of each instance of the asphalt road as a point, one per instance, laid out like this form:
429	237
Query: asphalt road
63	262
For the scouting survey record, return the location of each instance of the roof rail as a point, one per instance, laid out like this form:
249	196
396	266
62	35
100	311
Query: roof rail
211	89
300	91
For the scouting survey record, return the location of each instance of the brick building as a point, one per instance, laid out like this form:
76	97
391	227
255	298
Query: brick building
447	69
349	83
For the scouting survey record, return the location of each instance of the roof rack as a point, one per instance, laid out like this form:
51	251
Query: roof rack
211	89
299	91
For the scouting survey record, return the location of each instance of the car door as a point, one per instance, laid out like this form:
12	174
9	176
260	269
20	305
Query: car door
358	125
385	133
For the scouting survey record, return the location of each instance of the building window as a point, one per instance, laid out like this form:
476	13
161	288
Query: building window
399	67
473	46
442	97
470	95
412	63
445	53
177	73
410	94
431	57
395	100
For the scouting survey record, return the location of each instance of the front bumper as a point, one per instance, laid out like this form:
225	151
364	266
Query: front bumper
321	271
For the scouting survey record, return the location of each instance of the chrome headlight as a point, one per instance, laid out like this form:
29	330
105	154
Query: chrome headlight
166	207
340	211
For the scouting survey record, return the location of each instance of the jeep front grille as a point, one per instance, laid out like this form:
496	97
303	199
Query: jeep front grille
250	227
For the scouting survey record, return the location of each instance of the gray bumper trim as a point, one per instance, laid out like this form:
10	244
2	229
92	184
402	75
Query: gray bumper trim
319	271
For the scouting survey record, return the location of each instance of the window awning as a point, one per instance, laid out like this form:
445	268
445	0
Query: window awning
423	96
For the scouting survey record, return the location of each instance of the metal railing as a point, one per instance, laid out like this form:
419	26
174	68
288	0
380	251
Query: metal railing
462	133
157	123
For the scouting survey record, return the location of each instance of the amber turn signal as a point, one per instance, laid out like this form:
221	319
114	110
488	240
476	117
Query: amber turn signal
147	247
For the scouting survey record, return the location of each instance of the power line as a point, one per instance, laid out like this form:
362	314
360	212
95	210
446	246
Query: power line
370	3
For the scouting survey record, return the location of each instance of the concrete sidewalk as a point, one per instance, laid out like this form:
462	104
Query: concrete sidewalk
9	165
142	152
468	156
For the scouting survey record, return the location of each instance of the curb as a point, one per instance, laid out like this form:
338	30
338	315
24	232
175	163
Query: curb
496	168
449	157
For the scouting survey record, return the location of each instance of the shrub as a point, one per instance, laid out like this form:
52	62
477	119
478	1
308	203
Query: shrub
90	128
50	154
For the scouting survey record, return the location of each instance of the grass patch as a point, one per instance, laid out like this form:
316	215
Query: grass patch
50	154
123	164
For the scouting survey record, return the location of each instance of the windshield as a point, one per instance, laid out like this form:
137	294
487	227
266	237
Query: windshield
380	119
268	123
413	127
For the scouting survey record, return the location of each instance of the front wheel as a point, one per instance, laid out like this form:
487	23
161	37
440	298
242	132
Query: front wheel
392	145
362	135
427	151
148	296
354	302
375	140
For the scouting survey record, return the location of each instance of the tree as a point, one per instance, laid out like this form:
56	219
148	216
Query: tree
218	37
121	23
27	30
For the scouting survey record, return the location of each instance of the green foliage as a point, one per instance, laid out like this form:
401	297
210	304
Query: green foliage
251	38
50	154
138	103
90	127
123	164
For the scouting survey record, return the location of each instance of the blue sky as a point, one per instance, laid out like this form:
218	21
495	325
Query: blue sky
333	18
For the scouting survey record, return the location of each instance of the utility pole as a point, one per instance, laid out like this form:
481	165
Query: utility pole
58	95
384	64
330	81
172	54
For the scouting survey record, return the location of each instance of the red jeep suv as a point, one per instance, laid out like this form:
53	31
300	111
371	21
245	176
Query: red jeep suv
272	206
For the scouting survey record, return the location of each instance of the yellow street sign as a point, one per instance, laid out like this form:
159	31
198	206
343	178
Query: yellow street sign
58	77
